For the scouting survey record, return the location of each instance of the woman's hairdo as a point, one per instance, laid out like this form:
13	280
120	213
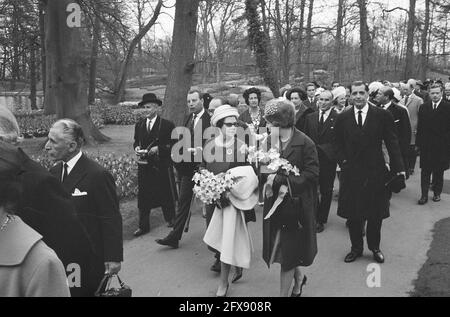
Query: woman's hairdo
250	91
301	93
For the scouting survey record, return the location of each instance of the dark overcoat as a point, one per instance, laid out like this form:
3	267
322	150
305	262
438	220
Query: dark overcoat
363	194
298	243
48	209
433	136
97	207
154	179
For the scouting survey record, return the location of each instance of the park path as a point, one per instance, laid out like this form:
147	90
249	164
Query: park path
152	270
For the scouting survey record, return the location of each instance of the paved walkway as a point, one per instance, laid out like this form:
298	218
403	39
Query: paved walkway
152	270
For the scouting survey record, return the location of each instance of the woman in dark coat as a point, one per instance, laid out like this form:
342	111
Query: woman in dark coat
289	235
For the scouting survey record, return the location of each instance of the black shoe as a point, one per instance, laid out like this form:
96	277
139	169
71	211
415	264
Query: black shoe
140	232
226	291
237	275
378	256
216	267
436	198
423	200
320	227
301	288
352	256
168	242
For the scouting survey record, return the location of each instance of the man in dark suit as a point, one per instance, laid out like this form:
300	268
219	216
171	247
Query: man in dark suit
47	208
93	192
197	123
319	126
433	142
152	144
310	101
385	98
359	135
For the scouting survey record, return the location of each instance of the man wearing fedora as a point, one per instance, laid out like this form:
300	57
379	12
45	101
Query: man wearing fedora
152	144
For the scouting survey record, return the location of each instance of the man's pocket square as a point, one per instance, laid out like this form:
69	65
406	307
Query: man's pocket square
77	193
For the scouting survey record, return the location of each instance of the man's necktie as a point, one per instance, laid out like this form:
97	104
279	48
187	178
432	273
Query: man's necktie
406	100
434	106
360	121
321	122
192	125
65	166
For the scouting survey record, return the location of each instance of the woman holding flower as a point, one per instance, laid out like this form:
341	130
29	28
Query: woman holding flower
289	235
229	211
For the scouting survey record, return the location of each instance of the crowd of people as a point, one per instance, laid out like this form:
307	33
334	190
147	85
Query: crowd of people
65	223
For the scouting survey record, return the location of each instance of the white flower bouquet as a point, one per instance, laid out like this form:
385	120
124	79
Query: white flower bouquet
271	161
213	189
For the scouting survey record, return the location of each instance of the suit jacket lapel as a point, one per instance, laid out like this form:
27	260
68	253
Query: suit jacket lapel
328	123
76	175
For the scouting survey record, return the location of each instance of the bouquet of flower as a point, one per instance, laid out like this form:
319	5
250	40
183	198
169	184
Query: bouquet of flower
213	189
272	160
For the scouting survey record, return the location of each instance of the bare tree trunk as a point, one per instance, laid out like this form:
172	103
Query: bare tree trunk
409	67
96	33
66	92
300	39
33	76
366	43
309	40
181	66
15	70
42	39
423	57
119	90
338	52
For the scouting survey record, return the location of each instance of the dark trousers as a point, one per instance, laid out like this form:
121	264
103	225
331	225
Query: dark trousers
327	175
186	186
144	216
412	157
438	181
373	233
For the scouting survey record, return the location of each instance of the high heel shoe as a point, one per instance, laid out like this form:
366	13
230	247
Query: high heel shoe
226	291
301	288
237	275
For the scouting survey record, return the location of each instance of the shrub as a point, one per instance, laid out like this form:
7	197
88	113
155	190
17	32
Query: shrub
123	114
123	168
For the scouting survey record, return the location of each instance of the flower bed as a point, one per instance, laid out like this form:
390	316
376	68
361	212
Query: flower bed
123	168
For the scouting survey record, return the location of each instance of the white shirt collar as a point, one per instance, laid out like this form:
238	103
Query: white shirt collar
200	114
151	122
386	106
364	110
72	162
436	103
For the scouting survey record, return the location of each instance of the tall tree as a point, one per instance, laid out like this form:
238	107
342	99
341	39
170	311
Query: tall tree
96	35
66	91
367	61
338	50
409	67
301	28
309	40
261	46
424	42
119	89
181	65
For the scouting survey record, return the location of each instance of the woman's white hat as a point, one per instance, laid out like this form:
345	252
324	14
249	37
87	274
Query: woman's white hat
339	92
244	194
224	112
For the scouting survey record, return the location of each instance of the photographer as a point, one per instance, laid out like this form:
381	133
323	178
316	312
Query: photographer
152	144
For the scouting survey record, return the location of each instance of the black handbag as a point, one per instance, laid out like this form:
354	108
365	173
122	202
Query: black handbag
105	290
290	213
